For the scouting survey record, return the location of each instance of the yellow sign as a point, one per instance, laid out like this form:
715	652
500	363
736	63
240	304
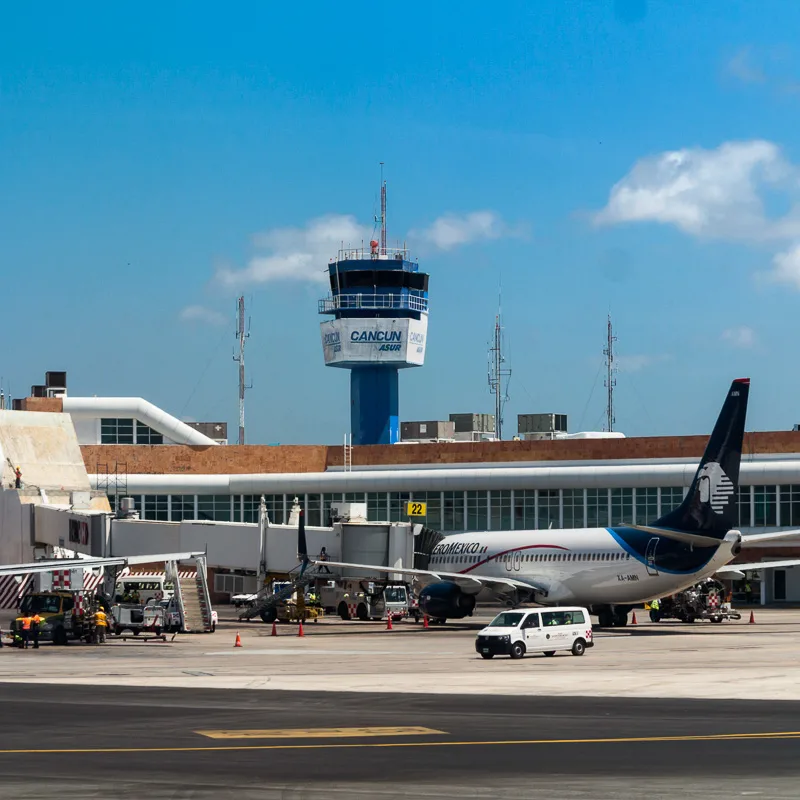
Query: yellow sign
414	509
320	733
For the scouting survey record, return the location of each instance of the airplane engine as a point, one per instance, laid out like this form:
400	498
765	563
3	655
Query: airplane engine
446	601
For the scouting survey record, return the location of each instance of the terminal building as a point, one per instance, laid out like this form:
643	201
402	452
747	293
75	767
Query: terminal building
174	472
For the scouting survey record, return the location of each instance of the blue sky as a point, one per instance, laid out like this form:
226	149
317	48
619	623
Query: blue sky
632	157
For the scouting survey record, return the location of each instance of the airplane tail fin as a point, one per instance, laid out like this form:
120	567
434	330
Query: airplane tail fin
711	505
302	547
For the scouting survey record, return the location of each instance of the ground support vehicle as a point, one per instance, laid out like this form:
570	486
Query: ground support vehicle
65	615
366	599
704	600
515	633
149	620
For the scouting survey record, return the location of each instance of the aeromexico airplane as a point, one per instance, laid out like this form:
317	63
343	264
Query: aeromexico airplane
606	569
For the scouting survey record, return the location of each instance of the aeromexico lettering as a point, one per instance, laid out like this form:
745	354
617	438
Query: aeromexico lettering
458	548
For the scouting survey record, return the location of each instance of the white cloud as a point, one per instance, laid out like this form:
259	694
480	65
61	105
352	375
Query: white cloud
786	267
741	336
635	363
743	68
453	230
202	314
713	193
297	254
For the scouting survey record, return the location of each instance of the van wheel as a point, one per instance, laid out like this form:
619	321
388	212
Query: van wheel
517	650
342	611
578	647
550	653
487	655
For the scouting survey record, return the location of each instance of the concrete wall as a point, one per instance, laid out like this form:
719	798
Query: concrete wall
136	537
234	545
45	448
16	517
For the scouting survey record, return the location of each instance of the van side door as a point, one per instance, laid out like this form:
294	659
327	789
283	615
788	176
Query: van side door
532	631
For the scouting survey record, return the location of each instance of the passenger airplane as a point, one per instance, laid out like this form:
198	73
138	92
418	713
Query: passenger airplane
606	569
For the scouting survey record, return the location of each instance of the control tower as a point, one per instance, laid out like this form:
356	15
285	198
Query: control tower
379	305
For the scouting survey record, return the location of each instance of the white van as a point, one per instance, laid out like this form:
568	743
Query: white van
514	633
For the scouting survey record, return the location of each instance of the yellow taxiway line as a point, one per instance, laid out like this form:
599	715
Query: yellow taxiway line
339	746
320	733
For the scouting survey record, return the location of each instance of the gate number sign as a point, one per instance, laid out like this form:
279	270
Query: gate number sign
416	509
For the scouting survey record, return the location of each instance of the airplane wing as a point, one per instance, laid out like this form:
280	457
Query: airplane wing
738	570
467	582
752	538
50	565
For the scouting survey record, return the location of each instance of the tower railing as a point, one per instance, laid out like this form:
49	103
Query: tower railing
380	302
372	254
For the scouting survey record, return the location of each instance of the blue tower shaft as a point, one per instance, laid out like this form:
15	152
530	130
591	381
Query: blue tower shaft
374	405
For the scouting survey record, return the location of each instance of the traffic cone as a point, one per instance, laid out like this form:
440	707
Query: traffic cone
424	620
274	629
389	622
752	619
238	642
300	629
633	621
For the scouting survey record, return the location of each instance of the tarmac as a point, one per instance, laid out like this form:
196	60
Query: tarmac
352	710
732	660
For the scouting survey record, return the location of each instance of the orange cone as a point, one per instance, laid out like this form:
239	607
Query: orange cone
633	621
389	622
424	620
238	642
274	629
752	619
300	630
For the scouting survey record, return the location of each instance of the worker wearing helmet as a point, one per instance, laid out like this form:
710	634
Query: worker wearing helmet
17	478
36	621
100	624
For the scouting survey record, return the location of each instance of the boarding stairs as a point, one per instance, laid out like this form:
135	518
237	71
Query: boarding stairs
266	600
193	599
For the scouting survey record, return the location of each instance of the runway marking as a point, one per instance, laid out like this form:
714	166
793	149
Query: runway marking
321	733
341	746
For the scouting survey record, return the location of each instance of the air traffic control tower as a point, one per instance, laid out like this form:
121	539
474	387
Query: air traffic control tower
379	305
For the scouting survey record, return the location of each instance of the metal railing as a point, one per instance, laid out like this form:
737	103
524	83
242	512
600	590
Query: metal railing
372	254
382	302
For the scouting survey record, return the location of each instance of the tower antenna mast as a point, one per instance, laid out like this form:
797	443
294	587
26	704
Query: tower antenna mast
383	213
242	334
610	381
498	374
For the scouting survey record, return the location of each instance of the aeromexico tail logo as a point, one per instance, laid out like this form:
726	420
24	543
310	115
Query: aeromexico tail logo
715	487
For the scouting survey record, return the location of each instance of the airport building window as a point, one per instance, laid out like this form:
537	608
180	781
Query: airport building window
156	506
525	509
214	507
596	508
573	506
146	435
397	506
622	507
549	508
790	505
181	507
250	504
500	510
646	505
765	506
477	508
314	509
453	511
671	498
745	506
376	507
327	501
116	431
434	503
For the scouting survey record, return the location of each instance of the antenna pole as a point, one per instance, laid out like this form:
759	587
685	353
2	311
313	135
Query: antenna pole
497	373
610	382
383	213
242	334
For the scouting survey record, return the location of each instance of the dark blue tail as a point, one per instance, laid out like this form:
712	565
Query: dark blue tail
712	504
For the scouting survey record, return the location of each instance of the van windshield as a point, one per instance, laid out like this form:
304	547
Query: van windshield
508	619
40	604
395	594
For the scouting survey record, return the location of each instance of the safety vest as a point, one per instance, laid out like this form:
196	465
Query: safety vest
100	619
26	623
37	619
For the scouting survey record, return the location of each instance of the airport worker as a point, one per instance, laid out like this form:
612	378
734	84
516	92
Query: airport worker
323	556
101	623
36	621
748	592
17	478
26	630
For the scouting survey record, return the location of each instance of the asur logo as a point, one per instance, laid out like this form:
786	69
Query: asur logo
716	488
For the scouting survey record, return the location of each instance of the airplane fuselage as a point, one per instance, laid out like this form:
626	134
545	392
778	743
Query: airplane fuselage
587	566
